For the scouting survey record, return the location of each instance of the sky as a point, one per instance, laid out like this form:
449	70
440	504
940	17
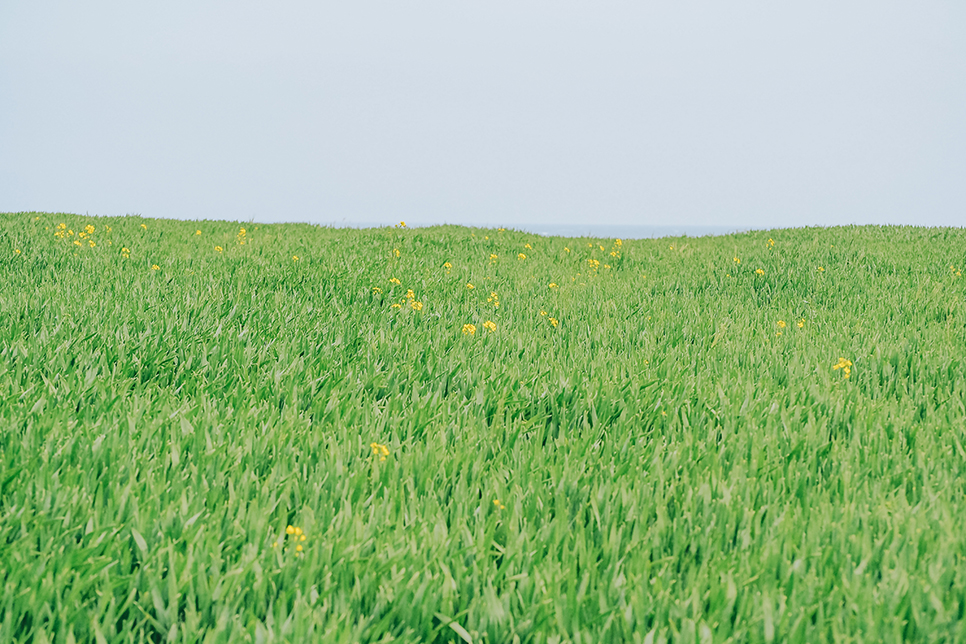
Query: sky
695	113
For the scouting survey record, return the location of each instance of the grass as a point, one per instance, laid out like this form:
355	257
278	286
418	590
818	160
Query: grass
675	460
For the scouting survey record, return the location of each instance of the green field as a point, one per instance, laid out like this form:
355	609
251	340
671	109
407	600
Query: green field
224	432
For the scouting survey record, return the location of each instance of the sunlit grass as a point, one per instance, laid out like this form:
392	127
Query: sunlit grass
220	432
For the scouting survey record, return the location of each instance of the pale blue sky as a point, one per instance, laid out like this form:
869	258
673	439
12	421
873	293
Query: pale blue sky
489	113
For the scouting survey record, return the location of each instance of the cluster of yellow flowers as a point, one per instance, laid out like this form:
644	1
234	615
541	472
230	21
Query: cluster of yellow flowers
770	243
521	256
845	366
499	506
493	299
241	236
594	264
956	272
379	450
448	267
62	232
489	326
469	329
125	252
218	249
616	250
759	271
553	321
395	252
297	537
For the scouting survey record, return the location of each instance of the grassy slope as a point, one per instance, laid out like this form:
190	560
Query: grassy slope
661	462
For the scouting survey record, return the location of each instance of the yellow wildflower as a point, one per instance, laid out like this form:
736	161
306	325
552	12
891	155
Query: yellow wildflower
469	329
493	257
16	250
393	280
528	246
290	530
521	256
397	305
821	270
736	259
447	266
470	286
376	289
759	271
155	267
499	505
395	252
218	249
417	306
489	326
553	285
144	226
402	224
197	232
781	324
77	242
554	322
566	250
379	450
801	323
845	366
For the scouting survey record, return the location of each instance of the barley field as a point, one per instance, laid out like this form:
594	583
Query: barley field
229	432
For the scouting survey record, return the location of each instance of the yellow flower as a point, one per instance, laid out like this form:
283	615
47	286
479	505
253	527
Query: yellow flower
528	246
77	242
379	450
521	256
402	224
447	266
771	243
16	250
197	232
566	250
395	252
290	530
554	322
500	230
613	253
155	267
600	247
90	242
499	505
470	286
218	249
801	323
397	305
469	329
670	247
821	270
618	243
493	257
845	366
606	265
543	313
298	548
594	263
144	226
89	229
736	260
553	285
376	289
302	537
489	326
759	271
393	280
417	306
781	324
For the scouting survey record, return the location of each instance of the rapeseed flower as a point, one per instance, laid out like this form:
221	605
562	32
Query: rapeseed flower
528	246
759	271
402	224
801	323
736	259
155	267
499	505
376	289
295	258
393	280
218	249
554	322
144	226
469	329
781	324
489	326
395	252
197	232
521	256
821	270
553	285
470	286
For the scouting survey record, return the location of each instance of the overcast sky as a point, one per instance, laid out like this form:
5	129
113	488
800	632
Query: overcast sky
491	112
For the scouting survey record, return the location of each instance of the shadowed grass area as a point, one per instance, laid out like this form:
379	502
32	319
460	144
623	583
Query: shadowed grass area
639	441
